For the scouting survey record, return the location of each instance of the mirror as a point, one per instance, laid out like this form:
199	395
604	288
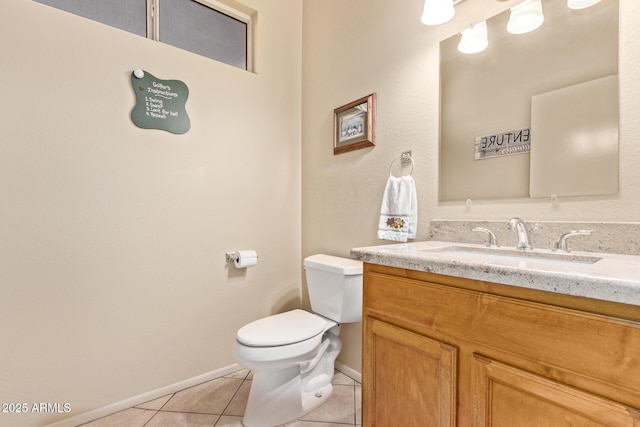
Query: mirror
486	101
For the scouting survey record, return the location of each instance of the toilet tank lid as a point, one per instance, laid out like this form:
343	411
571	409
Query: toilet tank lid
334	264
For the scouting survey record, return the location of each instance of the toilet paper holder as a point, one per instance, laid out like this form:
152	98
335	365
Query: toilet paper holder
242	259
231	256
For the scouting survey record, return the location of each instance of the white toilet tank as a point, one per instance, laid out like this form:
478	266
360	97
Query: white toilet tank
335	287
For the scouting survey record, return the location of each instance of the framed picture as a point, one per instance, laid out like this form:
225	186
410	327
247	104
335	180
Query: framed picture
355	125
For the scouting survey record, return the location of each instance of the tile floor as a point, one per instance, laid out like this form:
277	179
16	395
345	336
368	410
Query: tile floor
221	402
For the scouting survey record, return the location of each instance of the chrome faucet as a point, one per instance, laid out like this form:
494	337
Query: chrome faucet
561	244
492	240
517	225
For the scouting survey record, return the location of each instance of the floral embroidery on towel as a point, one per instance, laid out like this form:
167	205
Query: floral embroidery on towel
395	222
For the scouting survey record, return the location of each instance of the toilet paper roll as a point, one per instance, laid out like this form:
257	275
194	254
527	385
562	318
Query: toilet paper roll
245	259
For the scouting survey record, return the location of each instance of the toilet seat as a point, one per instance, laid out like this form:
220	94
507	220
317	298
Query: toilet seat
283	329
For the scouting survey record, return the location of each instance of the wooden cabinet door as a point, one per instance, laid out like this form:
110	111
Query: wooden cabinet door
505	396
408	379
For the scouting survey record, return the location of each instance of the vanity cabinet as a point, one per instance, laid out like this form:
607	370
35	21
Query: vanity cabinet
444	351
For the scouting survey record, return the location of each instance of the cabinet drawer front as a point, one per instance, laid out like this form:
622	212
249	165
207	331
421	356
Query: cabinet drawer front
565	341
410	379
505	396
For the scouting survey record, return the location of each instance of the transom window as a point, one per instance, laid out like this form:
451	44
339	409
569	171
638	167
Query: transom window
206	27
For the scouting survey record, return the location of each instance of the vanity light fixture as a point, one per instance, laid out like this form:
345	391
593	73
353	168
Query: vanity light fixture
581	4
525	17
438	12
474	39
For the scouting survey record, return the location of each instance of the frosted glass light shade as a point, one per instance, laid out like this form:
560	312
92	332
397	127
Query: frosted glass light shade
581	4
437	12
474	39
525	17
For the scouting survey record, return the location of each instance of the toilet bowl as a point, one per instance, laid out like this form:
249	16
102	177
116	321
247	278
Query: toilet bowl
292	354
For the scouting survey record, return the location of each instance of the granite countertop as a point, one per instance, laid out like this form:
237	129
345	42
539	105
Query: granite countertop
608	277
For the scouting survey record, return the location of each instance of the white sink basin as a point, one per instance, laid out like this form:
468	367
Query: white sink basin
515	255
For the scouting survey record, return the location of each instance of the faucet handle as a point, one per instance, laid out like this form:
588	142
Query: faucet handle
562	245
492	240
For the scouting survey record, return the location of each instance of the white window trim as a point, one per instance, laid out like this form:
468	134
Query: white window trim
153	22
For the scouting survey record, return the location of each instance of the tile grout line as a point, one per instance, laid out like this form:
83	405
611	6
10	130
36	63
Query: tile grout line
232	397
355	404
154	415
159	409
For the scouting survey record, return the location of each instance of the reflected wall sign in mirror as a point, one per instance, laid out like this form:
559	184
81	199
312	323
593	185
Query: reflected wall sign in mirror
490	93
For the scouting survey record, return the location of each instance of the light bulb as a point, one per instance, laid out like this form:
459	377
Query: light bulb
474	39
525	17
437	12
581	4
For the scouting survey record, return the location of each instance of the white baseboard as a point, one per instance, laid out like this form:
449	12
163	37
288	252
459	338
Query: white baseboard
145	397
352	373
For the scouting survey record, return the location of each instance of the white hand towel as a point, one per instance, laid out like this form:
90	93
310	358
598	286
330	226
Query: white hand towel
399	210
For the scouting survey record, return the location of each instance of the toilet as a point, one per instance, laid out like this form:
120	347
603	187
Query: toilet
292	354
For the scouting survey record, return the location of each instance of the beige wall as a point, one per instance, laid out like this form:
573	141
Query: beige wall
113	280
353	48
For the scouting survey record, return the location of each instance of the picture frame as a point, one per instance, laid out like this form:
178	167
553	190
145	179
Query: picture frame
354	125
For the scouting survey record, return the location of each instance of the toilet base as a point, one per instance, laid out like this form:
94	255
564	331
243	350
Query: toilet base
276	398
280	395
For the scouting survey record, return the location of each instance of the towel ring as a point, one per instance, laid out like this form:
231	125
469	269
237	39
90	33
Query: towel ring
404	158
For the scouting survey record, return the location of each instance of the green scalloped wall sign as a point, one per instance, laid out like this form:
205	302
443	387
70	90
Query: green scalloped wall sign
160	104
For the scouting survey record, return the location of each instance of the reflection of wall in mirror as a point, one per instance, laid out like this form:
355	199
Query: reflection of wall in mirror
490	92
576	130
